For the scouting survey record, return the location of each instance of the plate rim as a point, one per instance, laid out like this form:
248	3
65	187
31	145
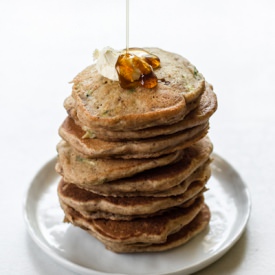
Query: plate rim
42	244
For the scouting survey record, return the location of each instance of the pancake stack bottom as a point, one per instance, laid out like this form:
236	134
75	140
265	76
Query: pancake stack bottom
134	163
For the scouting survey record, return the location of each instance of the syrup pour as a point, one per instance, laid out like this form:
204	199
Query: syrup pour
127	26
135	66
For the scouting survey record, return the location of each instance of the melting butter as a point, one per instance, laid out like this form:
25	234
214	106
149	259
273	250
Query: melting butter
105	62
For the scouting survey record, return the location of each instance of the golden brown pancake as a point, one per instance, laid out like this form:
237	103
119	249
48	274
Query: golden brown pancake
144	230
78	169
153	147
161	178
119	217
189	231
99	102
204	108
201	174
86	201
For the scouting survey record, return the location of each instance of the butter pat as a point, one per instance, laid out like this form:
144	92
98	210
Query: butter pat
105	62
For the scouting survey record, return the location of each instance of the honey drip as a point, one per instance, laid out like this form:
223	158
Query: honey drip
135	68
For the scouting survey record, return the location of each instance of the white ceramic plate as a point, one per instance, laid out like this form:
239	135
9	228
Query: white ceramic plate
228	199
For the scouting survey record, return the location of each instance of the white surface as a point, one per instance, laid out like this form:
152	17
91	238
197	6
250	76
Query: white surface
45	43
228	199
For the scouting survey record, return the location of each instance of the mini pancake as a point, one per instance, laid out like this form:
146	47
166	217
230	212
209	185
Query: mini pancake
112	216
201	174
204	109
99	102
78	169
144	230
184	235
160	178
145	148
85	201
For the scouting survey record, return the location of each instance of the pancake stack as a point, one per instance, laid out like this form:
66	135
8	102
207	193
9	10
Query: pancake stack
135	162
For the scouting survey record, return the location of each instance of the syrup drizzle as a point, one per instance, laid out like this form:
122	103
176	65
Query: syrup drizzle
135	66
127	26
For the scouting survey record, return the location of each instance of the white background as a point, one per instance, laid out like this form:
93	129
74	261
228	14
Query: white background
44	44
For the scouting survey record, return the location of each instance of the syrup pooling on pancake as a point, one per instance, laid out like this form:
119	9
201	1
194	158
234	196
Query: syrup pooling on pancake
135	68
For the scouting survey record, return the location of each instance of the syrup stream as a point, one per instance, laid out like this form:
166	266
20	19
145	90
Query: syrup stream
135	68
127	26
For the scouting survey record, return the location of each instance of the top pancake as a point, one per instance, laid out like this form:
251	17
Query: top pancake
99	102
